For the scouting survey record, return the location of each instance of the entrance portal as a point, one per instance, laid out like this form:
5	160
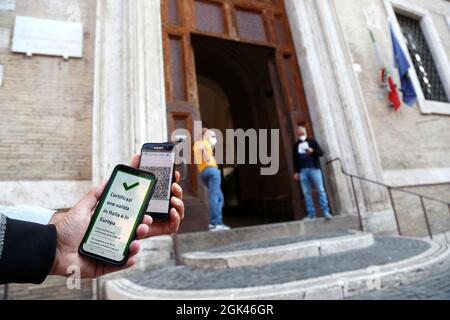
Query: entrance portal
235	92
241	53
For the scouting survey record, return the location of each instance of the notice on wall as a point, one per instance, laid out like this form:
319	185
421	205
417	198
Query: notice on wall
4	37
9	5
48	37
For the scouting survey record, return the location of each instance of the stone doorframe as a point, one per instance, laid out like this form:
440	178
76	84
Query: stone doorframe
130	107
338	110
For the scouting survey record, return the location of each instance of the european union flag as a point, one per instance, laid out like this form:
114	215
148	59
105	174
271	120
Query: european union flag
402	64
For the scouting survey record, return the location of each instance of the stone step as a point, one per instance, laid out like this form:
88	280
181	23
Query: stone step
202	241
253	253
390	261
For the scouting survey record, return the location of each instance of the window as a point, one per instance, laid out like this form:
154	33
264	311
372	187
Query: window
422	58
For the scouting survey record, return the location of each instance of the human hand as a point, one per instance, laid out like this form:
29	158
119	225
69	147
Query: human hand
148	228
296	177
310	151
71	227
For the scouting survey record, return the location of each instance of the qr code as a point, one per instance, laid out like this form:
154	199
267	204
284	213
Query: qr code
163	182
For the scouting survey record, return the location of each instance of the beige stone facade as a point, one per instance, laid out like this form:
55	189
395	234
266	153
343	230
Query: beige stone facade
414	146
65	124
46	102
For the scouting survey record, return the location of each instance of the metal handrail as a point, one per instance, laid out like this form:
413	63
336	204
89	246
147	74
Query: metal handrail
391	198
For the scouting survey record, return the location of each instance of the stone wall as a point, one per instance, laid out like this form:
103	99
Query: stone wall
46	102
45	123
411	216
406	139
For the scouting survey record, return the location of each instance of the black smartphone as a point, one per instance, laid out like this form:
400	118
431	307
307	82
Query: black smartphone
159	159
119	212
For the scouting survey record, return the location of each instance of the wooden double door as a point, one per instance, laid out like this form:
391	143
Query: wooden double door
220	37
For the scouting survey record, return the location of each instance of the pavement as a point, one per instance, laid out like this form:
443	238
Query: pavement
436	287
385	250
265	243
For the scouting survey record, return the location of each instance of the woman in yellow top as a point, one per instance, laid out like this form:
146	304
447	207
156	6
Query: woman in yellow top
210	176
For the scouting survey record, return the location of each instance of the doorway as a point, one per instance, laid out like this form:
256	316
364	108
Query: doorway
242	53
235	91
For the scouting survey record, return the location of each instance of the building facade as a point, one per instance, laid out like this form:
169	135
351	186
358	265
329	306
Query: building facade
150	67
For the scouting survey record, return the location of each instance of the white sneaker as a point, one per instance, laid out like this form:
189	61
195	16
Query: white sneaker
222	227
211	226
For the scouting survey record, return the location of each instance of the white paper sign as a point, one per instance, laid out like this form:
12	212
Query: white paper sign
8	5
5	34
49	37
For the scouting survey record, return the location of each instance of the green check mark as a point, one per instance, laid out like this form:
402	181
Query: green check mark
128	188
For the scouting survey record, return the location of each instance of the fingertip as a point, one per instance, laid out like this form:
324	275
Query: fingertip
176	189
174	214
135	160
142	231
175	220
148	220
175	201
135	246
177	176
179	214
131	262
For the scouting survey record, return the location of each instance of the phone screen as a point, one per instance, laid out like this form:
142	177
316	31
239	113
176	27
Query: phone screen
117	215
160	163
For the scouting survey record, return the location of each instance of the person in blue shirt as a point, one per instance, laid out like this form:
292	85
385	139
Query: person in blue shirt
307	171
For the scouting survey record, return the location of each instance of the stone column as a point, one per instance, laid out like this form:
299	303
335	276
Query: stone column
111	118
337	108
129	98
146	72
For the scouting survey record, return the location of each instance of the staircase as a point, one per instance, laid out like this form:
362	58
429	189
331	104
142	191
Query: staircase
297	260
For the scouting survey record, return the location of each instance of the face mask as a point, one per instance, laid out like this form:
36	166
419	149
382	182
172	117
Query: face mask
213	142
303	138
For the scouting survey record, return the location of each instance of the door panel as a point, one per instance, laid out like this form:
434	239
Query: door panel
287	126
182	116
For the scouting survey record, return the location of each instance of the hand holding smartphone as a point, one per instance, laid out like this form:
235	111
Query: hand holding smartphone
159	159
120	210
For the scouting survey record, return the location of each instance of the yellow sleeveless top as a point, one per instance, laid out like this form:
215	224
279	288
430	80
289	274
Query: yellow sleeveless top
198	155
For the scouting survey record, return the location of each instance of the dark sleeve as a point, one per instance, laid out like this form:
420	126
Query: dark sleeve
28	252
317	149
295	158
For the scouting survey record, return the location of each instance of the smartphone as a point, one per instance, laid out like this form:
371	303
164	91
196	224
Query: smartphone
120	210
159	159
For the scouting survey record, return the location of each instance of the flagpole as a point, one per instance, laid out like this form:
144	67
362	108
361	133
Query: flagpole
380	62
374	41
386	81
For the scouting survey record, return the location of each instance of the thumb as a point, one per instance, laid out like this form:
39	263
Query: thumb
89	202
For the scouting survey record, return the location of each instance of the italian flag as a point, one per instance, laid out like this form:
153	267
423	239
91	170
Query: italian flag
385	75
